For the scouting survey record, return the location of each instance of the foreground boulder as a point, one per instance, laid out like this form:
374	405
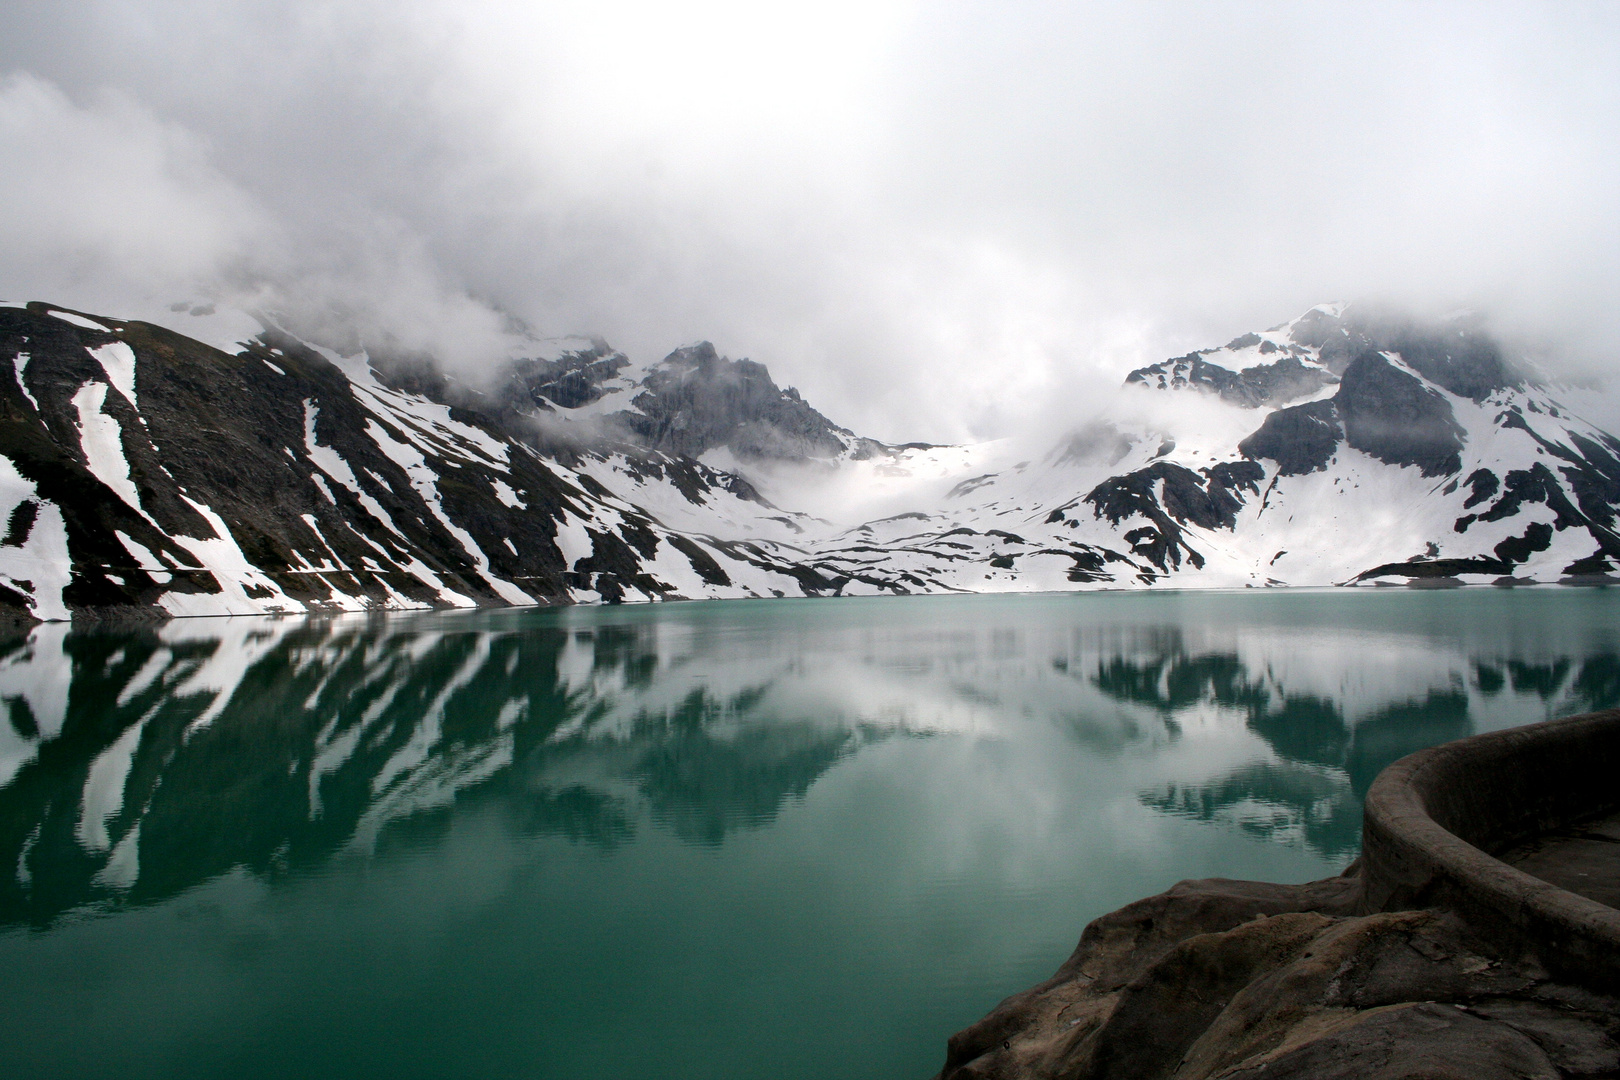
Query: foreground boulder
1478	970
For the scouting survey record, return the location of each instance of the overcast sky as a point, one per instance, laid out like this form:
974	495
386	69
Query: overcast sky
937	220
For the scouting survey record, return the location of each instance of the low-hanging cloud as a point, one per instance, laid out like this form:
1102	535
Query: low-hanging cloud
110	196
939	221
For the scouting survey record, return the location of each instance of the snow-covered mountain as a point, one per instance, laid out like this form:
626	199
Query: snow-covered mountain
1335	449
148	473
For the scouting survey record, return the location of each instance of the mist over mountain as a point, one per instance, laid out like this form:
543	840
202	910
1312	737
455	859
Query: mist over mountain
937	223
632	300
146	473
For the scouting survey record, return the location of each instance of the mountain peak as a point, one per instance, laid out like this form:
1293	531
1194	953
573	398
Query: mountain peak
695	400
1298	359
147	473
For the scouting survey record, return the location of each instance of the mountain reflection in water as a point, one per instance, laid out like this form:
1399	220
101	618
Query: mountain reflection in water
138	762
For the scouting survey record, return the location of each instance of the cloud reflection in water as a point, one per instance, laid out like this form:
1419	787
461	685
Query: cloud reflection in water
138	762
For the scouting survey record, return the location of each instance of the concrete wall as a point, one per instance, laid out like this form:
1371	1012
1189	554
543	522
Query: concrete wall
1434	820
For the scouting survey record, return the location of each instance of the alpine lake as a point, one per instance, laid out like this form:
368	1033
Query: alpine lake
742	839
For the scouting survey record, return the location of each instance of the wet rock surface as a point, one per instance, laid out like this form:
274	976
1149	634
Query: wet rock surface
1475	937
1220	978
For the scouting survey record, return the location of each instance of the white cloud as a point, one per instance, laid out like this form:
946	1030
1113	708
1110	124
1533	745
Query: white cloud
935	220
100	200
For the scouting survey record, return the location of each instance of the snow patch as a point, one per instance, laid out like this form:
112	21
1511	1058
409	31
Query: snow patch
231	569
20	363
78	320
504	492
118	361
101	440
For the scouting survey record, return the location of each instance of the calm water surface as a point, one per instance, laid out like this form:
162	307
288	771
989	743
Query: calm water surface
768	839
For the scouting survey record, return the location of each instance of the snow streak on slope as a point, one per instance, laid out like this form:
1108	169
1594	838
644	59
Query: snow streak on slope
101	441
290	477
34	559
1339	448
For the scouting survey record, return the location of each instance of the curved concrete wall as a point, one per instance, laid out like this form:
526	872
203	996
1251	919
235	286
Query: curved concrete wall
1434	820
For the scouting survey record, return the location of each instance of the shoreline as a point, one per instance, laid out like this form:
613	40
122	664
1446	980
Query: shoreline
133	615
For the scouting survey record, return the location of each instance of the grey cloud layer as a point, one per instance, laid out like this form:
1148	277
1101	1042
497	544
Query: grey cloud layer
937	220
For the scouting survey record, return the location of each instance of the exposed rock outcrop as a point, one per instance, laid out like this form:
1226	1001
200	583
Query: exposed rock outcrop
1170	496
1429	959
1282	380
1378	409
1391	415
1239	979
155	475
571	380
1298	359
696	400
1300	440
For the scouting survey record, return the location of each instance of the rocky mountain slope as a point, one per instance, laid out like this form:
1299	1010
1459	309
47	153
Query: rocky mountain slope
1342	450
147	473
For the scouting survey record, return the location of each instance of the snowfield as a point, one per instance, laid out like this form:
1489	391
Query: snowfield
259	473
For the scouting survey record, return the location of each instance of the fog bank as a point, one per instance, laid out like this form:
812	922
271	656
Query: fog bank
938	221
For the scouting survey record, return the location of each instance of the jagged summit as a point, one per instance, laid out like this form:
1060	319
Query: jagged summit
1299	359
691	402
695	400
580	374
146	472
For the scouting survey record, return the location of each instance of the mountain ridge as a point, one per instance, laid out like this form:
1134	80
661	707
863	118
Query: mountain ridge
148	474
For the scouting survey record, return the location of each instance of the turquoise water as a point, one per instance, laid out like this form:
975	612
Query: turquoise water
766	839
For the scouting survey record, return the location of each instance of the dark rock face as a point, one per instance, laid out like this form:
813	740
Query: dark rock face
269	480
1180	371
1455	355
1595	479
1281	380
1419	569
1593	473
1484	484
1338	343
1210	501
573	380
696	400
1537	484
1300	439
1392	416
232	433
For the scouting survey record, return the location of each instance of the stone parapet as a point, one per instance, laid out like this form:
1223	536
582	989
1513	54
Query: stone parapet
1435	821
1432	957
